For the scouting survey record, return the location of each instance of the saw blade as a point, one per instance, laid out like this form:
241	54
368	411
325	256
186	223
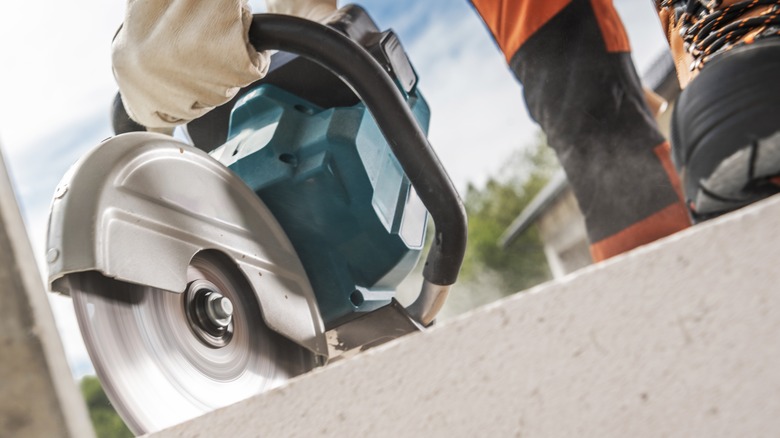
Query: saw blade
163	359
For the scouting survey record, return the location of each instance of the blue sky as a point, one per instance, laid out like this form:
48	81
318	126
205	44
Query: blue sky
56	88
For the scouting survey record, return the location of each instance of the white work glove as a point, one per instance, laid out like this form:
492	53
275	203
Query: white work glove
175	60
314	10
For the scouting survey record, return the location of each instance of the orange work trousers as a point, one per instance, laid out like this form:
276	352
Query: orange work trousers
573	59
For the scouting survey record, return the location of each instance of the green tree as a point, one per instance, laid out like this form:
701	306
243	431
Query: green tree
104	418
489	271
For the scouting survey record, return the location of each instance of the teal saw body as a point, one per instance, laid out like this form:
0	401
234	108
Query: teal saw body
331	169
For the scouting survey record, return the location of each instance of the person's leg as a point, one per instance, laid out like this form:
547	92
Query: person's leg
725	127
574	61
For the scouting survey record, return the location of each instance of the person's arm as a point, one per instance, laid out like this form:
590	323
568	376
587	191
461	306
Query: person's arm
175	60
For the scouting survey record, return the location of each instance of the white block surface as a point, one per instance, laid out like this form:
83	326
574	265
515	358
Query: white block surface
679	338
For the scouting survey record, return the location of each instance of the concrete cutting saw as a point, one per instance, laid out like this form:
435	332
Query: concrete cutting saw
203	274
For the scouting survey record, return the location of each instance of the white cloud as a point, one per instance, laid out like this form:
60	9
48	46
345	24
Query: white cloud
56	65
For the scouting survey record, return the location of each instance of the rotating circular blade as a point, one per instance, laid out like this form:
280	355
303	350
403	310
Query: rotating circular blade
164	357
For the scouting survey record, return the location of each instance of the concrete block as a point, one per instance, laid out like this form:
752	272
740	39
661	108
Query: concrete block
679	338
38	397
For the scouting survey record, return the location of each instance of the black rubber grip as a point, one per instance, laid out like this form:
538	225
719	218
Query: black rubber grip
120	120
355	66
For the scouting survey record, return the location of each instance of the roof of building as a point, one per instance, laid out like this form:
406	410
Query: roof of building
546	197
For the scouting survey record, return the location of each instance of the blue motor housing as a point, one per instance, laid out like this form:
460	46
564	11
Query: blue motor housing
331	180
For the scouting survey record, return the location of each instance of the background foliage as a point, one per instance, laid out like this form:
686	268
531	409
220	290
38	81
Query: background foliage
491	211
489	271
104	418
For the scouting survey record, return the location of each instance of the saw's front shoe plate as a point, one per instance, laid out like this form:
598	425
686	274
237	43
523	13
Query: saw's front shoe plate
188	293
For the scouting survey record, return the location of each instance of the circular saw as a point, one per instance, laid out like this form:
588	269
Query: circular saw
203	273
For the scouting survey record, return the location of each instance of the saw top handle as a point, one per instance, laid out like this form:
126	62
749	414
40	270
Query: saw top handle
358	69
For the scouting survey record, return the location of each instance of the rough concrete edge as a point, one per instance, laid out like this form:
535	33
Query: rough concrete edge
71	402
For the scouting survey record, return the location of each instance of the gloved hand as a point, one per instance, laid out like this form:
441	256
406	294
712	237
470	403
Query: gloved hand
175	60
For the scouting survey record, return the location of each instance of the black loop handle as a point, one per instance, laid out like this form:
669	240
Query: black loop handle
355	66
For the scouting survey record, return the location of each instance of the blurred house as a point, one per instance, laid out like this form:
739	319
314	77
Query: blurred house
555	211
